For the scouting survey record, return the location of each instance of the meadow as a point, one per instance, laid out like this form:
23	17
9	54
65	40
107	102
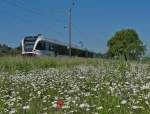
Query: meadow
44	85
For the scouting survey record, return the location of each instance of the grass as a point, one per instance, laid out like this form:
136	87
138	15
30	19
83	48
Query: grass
12	64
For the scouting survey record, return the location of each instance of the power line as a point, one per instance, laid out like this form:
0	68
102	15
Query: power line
14	4
23	20
20	4
34	9
40	13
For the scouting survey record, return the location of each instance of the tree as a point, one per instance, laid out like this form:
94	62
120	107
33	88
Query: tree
126	43
6	50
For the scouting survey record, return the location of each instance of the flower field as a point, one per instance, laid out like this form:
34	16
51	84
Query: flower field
107	87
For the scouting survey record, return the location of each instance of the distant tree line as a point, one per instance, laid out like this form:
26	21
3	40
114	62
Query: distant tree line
6	50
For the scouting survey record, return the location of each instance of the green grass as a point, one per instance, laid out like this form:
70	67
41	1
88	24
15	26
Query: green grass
12	64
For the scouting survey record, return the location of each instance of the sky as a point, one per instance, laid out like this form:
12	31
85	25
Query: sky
94	22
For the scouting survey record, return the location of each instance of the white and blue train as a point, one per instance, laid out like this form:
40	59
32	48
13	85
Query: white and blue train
38	45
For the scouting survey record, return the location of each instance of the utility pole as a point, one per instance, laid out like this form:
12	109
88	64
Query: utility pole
70	30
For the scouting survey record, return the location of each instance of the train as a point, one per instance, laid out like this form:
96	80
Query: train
40	46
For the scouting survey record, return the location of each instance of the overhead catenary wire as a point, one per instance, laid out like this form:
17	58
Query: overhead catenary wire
12	3
32	10
21	5
23	20
57	20
15	4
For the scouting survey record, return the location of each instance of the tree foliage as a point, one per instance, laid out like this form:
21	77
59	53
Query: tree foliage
126	43
6	50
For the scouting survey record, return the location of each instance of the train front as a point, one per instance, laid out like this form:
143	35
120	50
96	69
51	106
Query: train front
28	44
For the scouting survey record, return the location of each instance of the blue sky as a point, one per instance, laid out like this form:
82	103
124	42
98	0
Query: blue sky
94	21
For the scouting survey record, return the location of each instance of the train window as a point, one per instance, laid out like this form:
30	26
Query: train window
47	46
41	45
51	46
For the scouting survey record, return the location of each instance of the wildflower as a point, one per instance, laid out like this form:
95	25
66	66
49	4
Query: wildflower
45	113
82	105
87	109
66	107
54	105
147	102
59	103
96	113
45	108
13	111
123	102
26	107
99	108
118	106
137	107
39	92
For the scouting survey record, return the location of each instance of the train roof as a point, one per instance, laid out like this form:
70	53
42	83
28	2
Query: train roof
66	44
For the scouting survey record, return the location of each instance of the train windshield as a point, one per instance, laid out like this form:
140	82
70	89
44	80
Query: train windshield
29	43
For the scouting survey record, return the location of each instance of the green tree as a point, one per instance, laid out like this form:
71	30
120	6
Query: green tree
126	43
6	50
